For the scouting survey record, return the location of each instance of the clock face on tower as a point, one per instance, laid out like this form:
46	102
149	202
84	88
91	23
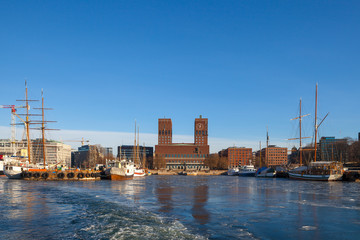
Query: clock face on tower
199	126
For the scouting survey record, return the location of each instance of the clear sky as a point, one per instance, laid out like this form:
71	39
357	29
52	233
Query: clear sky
242	64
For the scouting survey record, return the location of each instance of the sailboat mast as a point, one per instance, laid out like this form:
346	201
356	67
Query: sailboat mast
138	146
300	118
316	120
134	151
43	126
267	146
260	153
27	121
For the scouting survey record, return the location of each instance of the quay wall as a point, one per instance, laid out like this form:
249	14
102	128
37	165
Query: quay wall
175	172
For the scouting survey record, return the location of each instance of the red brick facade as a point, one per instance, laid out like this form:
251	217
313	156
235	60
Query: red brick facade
179	155
237	156
165	131
277	156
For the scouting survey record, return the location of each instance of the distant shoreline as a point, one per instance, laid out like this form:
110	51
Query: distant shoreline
199	173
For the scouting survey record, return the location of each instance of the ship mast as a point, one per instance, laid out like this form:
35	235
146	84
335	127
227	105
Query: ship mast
134	151
267	146
138	147
316	126
43	128
300	137
26	121
260	153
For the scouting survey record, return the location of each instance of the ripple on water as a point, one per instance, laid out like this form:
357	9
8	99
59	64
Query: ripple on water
308	228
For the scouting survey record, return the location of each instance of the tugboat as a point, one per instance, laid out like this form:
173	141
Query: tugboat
119	170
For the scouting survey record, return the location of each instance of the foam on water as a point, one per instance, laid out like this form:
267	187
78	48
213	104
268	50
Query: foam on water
172	207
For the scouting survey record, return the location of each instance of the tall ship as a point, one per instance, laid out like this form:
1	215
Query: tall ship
321	170
318	171
30	168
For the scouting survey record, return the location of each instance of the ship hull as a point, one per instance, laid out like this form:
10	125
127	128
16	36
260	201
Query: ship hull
13	172
315	177
247	174
115	177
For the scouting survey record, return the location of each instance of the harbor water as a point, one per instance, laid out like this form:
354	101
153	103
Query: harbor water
179	207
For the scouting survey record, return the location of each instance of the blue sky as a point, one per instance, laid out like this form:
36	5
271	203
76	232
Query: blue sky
242	64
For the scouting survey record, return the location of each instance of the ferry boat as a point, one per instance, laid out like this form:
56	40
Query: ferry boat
119	170
318	171
247	171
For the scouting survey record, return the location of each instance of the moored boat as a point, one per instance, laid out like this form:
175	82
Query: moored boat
265	172
119	170
233	172
1	165
192	173
139	172
318	171
247	171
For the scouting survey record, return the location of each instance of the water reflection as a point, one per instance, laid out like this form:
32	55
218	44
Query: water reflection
164	193
200	214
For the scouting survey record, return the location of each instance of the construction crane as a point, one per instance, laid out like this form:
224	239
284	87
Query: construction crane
13	123
82	141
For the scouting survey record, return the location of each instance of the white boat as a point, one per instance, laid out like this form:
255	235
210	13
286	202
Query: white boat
1	165
318	171
120	170
233	172
247	171
13	167
265	172
192	173
139	172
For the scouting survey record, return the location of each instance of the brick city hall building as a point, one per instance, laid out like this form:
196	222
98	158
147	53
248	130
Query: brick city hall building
181	155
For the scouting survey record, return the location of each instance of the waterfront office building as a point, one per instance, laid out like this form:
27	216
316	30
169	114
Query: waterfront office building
274	156
88	156
16	148
127	152
237	156
332	149
183	155
57	153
